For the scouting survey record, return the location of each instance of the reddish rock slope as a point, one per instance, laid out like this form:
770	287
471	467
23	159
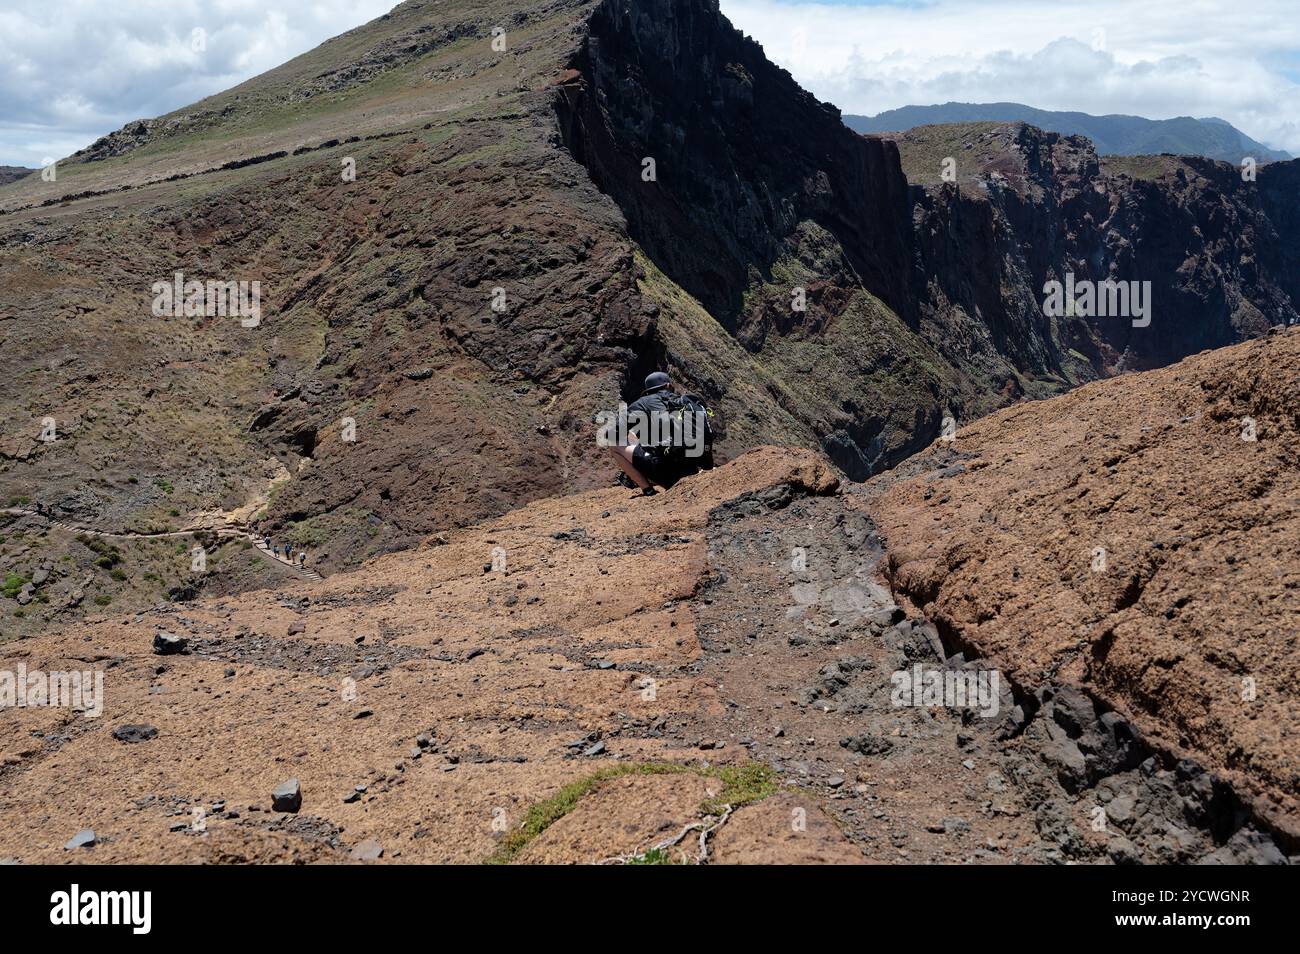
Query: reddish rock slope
1127	539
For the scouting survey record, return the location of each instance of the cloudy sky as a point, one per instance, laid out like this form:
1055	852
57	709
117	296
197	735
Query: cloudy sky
72	70
1235	59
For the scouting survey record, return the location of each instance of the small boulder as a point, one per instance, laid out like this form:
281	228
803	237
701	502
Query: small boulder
867	744
287	796
82	839
168	644
886	616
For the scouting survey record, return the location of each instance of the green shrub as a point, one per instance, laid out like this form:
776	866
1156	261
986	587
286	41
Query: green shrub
109	555
14	583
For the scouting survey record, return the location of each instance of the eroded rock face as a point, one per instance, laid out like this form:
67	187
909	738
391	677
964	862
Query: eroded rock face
1126	537
791	232
742	155
382	397
747	192
1029	206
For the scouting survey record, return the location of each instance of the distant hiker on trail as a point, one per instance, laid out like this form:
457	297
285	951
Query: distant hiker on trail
663	436
302	557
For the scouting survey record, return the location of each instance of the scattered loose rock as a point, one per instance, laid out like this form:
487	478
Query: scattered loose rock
133	732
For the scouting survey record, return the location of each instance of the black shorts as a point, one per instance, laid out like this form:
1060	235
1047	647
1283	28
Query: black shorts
658	470
653	467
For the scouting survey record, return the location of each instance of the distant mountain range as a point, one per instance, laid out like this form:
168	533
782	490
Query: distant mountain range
1116	135
12	173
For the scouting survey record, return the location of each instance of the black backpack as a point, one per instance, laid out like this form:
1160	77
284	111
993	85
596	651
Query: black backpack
679	408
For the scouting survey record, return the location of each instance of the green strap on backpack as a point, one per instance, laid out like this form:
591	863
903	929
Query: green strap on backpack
687	418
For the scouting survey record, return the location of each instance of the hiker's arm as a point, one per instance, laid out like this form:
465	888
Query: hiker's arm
632	423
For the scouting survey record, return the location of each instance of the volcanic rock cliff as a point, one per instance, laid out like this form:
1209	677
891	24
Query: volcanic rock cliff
759	191
462	259
1026	207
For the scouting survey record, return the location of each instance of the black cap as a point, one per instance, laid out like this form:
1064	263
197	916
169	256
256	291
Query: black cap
656	381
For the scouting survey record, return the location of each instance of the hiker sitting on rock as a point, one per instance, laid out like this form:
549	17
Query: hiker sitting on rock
662	436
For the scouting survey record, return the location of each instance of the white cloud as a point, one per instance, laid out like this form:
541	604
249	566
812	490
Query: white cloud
73	70
1156	58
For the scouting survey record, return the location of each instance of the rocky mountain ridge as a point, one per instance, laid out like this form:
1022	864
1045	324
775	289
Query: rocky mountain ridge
390	189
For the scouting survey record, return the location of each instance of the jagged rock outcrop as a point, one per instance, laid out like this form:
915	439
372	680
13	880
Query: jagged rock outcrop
744	190
742	157
1028	207
1127	537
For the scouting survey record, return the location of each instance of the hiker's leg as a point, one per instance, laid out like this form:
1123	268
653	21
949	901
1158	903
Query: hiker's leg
623	457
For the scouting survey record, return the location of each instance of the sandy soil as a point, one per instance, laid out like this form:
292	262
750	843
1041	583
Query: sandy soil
333	684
